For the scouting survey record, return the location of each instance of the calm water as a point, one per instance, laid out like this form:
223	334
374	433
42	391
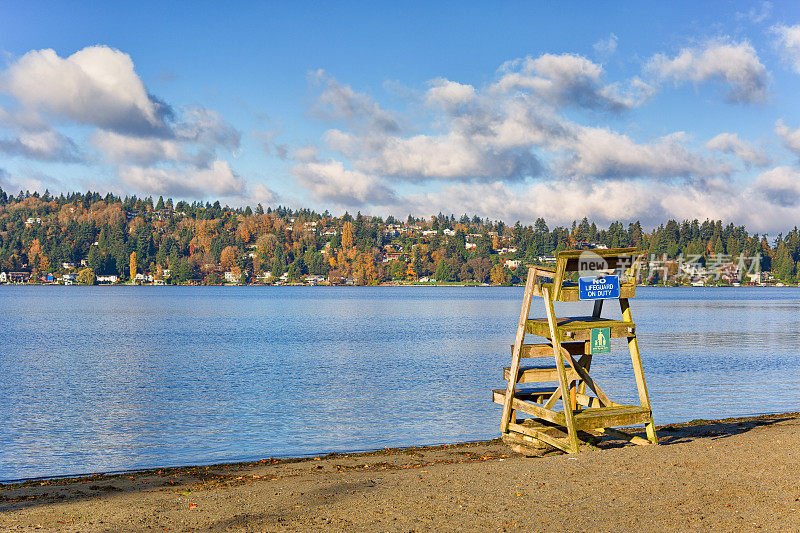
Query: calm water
115	378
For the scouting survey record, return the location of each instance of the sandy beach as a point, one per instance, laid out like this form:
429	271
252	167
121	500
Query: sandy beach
727	475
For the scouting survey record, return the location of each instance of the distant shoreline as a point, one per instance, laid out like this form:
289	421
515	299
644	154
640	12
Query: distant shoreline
784	286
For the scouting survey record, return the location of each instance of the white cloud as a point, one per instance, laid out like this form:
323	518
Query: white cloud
789	43
138	150
790	137
96	85
330	181
42	145
340	102
606	47
568	80
216	180
600	152
780	185
731	143
736	64
451	96
207	128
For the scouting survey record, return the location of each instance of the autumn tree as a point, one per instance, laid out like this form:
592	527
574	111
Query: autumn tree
347	235
498	275
86	277
228	257
133	265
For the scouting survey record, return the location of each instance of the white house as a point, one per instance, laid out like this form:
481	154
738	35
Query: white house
3	277
512	263
109	278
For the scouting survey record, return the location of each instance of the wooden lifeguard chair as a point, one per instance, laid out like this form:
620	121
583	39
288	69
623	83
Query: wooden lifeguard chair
573	342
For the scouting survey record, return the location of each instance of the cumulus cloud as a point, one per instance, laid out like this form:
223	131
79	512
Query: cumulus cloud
569	80
780	185
730	143
451	96
790	137
42	145
788	41
138	150
735	64
216	180
153	146
96	85
600	152
330	181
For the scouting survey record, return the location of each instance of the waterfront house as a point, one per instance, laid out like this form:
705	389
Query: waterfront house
69	279
3	277
19	277
107	278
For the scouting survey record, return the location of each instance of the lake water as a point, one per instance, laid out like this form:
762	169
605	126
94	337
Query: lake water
117	378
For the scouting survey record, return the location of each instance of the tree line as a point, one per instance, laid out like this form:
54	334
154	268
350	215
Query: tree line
199	242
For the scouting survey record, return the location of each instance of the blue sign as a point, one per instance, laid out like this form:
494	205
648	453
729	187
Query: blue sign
598	288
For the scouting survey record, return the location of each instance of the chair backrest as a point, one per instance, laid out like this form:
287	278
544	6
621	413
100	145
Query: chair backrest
595	260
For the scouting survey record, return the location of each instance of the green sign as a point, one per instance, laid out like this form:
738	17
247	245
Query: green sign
601	340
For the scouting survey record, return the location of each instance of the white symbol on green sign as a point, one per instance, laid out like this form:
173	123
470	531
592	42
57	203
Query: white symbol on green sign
601	340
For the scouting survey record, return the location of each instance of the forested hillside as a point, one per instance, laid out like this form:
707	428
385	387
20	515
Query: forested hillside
182	242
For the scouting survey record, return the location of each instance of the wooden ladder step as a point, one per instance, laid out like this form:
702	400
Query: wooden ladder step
539	395
614	416
579	328
546	350
538	374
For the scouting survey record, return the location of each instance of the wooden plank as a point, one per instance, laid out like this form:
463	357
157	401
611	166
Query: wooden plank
537	374
556	442
532	395
588	379
636	360
611	432
555	292
588	401
523	444
579	328
615	416
562	376
602	252
546	349
538	411
515	356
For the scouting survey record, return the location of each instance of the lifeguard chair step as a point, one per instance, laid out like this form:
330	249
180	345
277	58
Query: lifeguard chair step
537	374
546	350
579	328
530	395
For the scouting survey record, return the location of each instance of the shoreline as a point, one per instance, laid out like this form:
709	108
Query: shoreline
685	483
354	453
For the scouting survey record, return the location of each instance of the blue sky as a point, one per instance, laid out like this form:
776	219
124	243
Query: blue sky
509	110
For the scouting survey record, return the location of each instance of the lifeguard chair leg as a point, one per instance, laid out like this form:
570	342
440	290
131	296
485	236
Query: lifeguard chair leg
517	352
572	433
636	359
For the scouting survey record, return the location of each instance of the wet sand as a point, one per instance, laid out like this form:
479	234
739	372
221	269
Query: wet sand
729	475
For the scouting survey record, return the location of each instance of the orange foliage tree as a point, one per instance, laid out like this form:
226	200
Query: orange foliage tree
228	257
133	265
347	235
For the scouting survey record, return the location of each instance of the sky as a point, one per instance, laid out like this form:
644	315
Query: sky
508	110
